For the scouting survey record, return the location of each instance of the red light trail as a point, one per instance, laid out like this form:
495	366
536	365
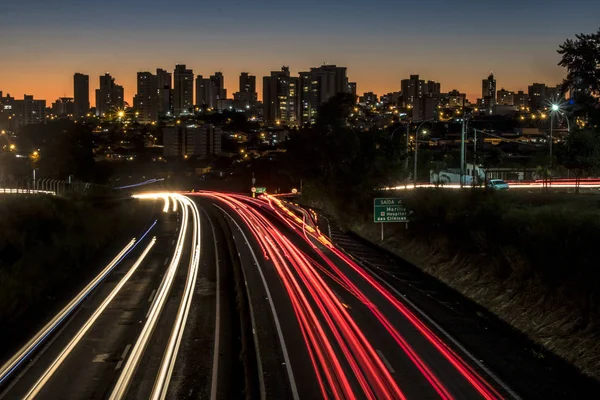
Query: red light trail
331	335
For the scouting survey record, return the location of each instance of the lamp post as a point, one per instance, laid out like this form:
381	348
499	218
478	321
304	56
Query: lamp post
417	151
407	145
555	108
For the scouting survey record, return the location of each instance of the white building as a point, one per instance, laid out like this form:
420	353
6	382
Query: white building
193	141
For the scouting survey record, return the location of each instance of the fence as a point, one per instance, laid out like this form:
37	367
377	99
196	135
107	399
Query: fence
50	186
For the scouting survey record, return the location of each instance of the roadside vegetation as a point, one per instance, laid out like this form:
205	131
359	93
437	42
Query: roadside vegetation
530	258
48	244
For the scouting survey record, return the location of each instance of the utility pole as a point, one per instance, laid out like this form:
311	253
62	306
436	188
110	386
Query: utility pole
407	149
474	156
416	153
462	152
551	136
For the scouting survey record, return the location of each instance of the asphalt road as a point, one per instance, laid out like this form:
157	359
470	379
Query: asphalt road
233	297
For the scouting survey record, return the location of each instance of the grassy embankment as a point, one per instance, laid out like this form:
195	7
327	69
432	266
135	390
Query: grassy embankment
532	259
48	244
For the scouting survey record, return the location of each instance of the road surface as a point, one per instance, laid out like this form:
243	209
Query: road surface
227	296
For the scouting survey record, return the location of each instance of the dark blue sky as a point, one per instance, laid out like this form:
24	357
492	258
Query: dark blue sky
456	42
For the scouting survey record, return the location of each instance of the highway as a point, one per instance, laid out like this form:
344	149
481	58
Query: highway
227	296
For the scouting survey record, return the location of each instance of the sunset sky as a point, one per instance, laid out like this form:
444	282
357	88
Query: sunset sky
43	42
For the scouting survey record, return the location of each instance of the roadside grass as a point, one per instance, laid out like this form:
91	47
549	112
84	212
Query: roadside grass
530	258
47	242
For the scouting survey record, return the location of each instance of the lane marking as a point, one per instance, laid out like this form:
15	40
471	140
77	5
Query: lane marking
442	331
120	389
286	358
385	361
216	349
166	260
163	378
101	358
152	296
123	356
11	365
38	355
37	387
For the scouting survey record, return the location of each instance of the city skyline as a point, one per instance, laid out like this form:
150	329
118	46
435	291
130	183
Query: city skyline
375	41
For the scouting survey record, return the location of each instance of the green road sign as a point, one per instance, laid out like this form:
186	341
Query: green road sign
389	210
261	190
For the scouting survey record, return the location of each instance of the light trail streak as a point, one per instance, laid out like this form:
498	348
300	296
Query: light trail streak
25	191
12	364
37	387
161	383
287	363
512	185
137	351
148	182
297	273
482	386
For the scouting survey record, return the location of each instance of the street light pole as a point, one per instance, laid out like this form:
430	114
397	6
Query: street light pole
474	157
551	136
407	147
416	152
462	151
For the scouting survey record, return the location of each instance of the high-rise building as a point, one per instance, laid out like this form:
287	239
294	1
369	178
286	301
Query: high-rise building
246	97
455	99
488	91
248	87
308	95
317	87
505	97
412	90
352	88
81	94
537	96
554	94
432	87
203	141
542	96
218	91
391	98
194	141
165	92
183	94
29	111
521	99
280	92
369	99
414	94
63	107
146	100
109	97
204	92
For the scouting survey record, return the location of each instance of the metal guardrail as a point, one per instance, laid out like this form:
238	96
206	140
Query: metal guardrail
49	186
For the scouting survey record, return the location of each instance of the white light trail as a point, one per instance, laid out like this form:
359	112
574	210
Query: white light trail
26	350
37	387
160	299
161	384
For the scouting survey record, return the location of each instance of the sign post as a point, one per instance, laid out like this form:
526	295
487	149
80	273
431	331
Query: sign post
389	210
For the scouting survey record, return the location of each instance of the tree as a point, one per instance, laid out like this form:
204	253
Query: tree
581	58
339	161
65	148
580	154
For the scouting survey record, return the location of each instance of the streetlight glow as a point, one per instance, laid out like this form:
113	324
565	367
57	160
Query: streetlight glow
555	107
